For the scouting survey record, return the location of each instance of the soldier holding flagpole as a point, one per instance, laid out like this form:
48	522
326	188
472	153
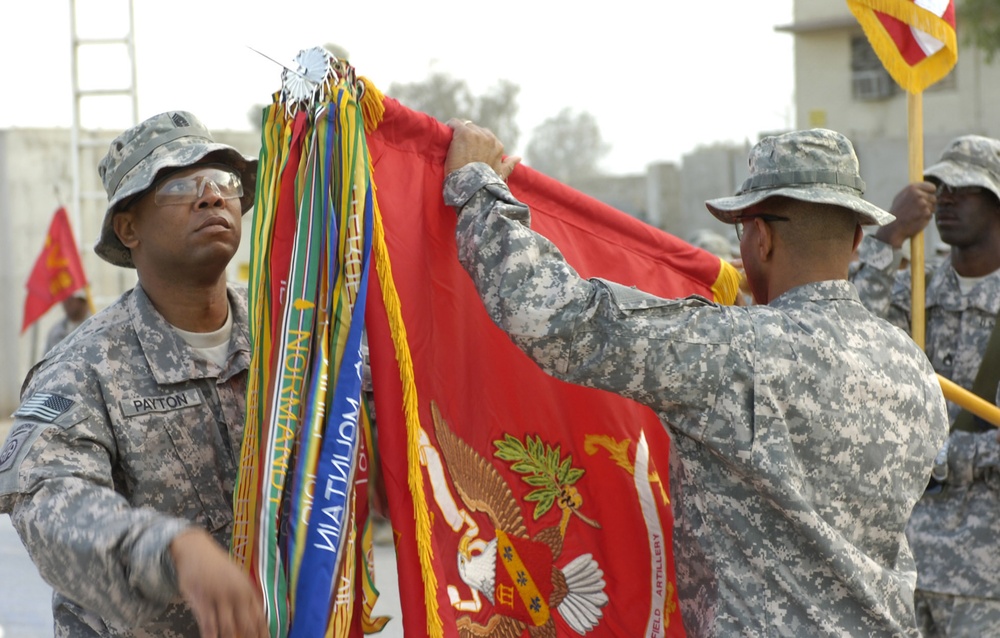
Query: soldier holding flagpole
953	527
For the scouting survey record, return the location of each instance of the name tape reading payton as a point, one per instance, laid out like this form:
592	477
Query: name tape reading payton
167	403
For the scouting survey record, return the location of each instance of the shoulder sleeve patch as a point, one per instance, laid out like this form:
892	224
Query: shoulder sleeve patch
44	406
13	450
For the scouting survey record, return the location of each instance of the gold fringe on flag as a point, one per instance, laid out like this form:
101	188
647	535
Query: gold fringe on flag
372	108
727	284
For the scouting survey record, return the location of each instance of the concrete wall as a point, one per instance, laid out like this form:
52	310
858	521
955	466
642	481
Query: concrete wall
35	179
672	197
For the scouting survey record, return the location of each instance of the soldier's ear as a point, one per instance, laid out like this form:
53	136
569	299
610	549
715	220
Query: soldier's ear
125	228
763	239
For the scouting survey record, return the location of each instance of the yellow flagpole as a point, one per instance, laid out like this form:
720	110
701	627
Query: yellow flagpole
915	125
90	299
980	407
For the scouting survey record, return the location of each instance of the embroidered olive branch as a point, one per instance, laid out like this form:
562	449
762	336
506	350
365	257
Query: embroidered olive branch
552	476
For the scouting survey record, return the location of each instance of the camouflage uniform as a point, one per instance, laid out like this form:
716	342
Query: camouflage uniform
953	532
125	436
124	439
797	449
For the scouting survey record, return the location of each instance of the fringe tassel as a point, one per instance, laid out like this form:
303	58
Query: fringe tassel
371	105
415	477
727	284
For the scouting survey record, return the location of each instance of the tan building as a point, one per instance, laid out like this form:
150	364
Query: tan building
839	84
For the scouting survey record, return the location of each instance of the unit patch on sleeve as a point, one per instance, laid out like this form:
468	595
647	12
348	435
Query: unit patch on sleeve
19	439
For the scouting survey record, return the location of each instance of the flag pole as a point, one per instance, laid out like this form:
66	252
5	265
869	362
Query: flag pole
969	401
34	343
90	298
915	135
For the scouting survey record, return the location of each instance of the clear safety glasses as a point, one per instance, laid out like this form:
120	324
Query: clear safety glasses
957	191
190	188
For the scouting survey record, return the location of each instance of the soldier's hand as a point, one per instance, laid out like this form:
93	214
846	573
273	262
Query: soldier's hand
913	208
471	143
743	294
222	598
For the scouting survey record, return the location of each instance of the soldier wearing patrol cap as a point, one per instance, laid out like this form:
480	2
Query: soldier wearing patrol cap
119	469
953	530
803	428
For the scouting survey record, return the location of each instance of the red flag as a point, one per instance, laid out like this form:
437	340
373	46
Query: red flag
57	272
914	39
543	503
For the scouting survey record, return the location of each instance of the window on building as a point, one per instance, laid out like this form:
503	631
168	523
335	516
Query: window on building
869	79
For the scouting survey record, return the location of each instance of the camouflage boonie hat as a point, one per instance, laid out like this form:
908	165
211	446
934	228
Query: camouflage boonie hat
175	139
970	160
817	165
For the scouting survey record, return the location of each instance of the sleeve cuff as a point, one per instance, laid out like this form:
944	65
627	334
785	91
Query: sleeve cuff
153	571
879	254
462	184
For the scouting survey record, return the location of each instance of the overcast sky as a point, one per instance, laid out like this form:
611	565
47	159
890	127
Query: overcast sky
661	78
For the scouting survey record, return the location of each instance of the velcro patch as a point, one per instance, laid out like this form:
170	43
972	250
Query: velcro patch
44	406
18	439
166	403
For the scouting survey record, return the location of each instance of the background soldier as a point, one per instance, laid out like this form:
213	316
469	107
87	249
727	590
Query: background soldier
953	530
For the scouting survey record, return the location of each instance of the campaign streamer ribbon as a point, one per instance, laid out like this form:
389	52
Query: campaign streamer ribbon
297	508
292	357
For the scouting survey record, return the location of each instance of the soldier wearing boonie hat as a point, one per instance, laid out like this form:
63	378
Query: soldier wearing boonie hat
801	430
970	160
138	156
119	470
953	527
816	165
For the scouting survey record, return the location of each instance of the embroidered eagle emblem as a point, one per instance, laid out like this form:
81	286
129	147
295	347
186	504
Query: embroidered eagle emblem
523	577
